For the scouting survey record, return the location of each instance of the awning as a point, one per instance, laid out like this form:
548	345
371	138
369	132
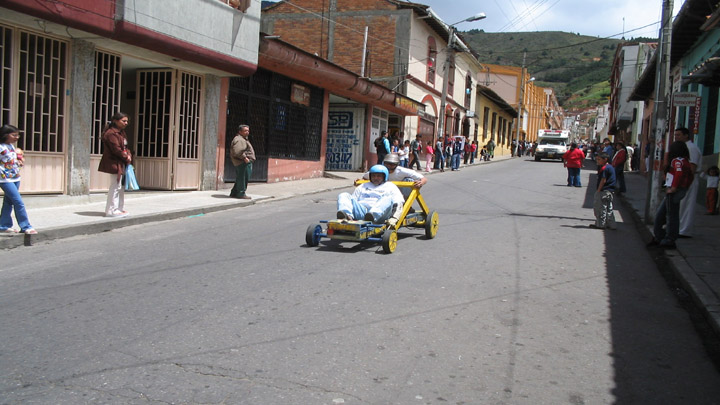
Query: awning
707	74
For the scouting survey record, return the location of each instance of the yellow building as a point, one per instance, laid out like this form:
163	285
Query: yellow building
495	120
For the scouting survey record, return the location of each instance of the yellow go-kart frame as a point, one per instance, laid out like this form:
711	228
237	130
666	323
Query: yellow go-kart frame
361	230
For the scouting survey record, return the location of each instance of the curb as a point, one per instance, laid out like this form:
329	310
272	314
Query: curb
701	294
62	232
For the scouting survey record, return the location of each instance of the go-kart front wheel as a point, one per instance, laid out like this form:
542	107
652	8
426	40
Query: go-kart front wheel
432	222
312	235
389	241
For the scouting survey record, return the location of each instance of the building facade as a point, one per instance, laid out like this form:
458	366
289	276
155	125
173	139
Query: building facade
67	68
406	50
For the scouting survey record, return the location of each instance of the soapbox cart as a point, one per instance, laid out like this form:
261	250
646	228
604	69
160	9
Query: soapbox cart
367	231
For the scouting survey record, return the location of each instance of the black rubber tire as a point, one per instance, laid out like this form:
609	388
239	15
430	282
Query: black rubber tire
312	235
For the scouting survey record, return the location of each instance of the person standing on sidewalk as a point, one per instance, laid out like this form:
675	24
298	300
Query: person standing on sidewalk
687	206
428	157
678	178
382	147
115	158
440	154
491	148
618	163
242	155
10	162
603	201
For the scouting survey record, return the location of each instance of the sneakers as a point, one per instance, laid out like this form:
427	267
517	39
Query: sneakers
342	215
30	231
8	230
117	214
369	217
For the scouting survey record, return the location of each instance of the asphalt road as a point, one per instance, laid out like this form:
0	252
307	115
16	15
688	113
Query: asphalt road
516	301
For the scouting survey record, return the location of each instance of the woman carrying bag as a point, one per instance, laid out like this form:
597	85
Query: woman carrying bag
114	159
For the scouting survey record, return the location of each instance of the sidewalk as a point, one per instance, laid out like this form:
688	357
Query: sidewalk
696	261
61	216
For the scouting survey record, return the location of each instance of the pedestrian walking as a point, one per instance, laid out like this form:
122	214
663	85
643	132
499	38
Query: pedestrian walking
416	149
11	159
242	155
603	200
687	206
678	178
114	160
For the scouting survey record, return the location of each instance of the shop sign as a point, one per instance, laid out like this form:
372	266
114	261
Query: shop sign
408	105
684	99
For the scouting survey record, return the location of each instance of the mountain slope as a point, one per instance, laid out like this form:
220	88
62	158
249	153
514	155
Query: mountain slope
574	65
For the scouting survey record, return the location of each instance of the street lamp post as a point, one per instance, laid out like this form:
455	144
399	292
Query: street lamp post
446	72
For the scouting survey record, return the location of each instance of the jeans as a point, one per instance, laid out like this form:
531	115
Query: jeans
668	214
381	210
440	163
603	207
455	164
573	177
12	200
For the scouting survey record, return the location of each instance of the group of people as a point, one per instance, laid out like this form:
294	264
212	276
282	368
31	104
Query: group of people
447	152
674	217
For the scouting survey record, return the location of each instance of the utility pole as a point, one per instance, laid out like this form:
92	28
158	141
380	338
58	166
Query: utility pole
520	103
659	123
448	60
446	74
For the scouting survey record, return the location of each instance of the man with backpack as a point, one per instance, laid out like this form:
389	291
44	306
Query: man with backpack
382	146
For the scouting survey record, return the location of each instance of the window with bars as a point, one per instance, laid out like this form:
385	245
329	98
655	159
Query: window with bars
431	60
189	116
33	82
106	96
155	99
6	65
279	128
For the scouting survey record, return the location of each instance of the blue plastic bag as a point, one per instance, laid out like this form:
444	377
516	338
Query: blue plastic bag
130	179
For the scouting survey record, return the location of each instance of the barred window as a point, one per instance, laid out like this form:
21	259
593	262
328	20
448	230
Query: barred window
279	127
34	100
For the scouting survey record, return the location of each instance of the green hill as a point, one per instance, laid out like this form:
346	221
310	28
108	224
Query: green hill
576	66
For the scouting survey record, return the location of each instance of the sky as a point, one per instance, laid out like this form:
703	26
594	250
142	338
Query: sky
597	18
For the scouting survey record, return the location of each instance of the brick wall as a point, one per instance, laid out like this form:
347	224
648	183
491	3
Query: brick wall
310	33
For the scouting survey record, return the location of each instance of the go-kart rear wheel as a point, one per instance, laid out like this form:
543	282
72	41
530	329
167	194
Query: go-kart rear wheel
312	235
389	241
431	224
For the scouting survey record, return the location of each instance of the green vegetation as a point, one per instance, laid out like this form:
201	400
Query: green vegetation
577	66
